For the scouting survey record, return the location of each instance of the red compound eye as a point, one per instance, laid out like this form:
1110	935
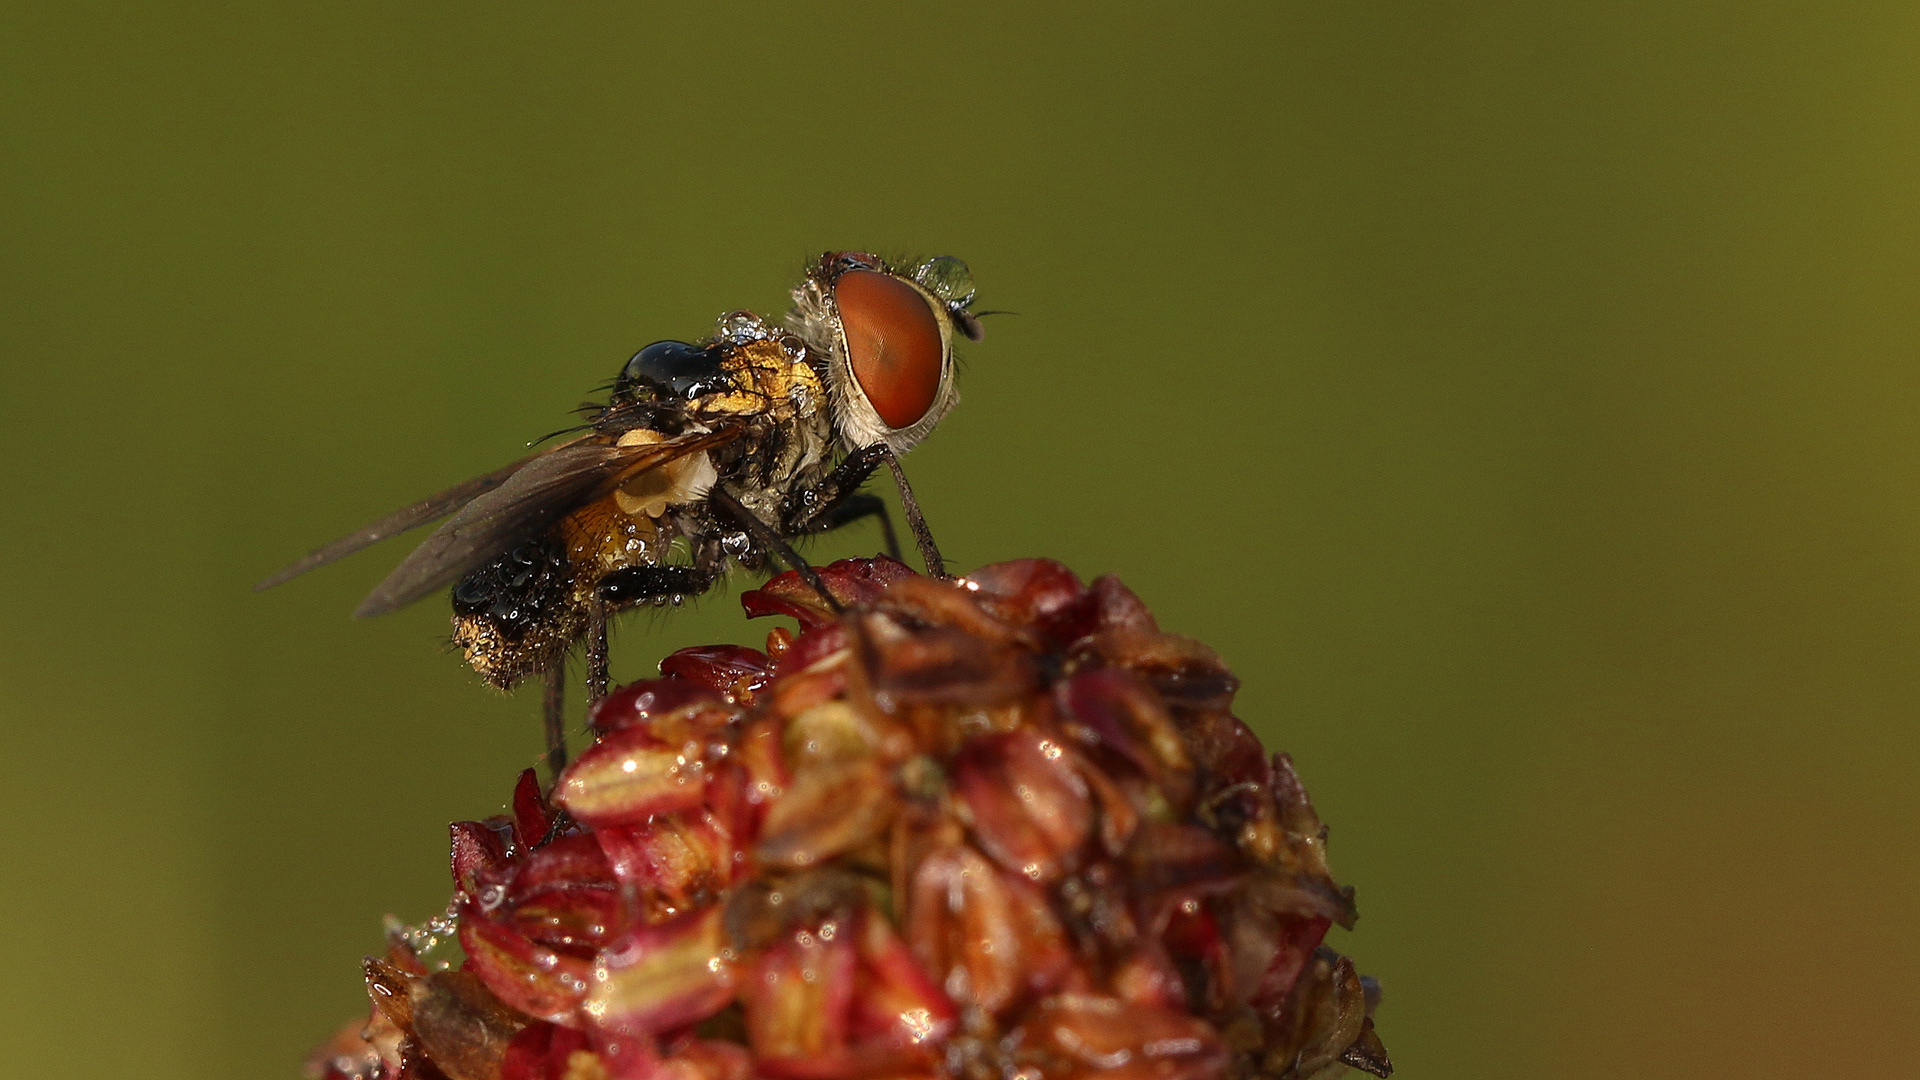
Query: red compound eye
893	342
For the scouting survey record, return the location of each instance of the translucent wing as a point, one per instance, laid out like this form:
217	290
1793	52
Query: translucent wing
431	508
527	503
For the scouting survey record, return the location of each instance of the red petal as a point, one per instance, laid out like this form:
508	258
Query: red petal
479	856
574	920
1169	864
672	863
853	582
810	649
897	1007
570	861
840	794
1025	591
563	896
626	777
620	1057
1127	717
662	977
543	983
1117	608
707	1059
526	1056
1233	763
542	1051
827	810
798	995
532	817
645	702
734	670
1030	809
760	754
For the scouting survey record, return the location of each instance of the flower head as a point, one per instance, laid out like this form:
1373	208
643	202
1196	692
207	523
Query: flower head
998	828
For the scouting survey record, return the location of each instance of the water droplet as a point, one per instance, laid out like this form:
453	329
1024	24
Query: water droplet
947	278
738	326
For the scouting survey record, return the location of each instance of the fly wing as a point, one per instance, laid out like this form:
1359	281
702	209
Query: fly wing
526	504
407	517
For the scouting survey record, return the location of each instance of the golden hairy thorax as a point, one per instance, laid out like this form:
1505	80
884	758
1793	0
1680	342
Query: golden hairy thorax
771	380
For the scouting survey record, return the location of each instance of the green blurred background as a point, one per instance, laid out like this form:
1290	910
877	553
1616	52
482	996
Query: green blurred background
1522	396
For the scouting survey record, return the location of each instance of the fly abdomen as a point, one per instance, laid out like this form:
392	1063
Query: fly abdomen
515	616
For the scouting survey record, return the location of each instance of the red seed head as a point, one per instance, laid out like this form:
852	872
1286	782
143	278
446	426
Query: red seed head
1000	826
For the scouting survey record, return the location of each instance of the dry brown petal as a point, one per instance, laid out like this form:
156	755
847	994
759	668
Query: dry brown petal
462	1027
1123	715
348	1055
1083	1036
1324	1015
1367	1053
391	990
765	911
942	665
1304	837
952	604
1187	673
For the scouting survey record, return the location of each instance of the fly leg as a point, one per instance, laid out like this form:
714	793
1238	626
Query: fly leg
923	536
631	587
837	500
854	508
806	508
554	709
596	651
767	539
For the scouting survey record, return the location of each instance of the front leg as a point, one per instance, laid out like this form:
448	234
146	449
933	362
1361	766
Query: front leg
809	509
814	509
855	508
